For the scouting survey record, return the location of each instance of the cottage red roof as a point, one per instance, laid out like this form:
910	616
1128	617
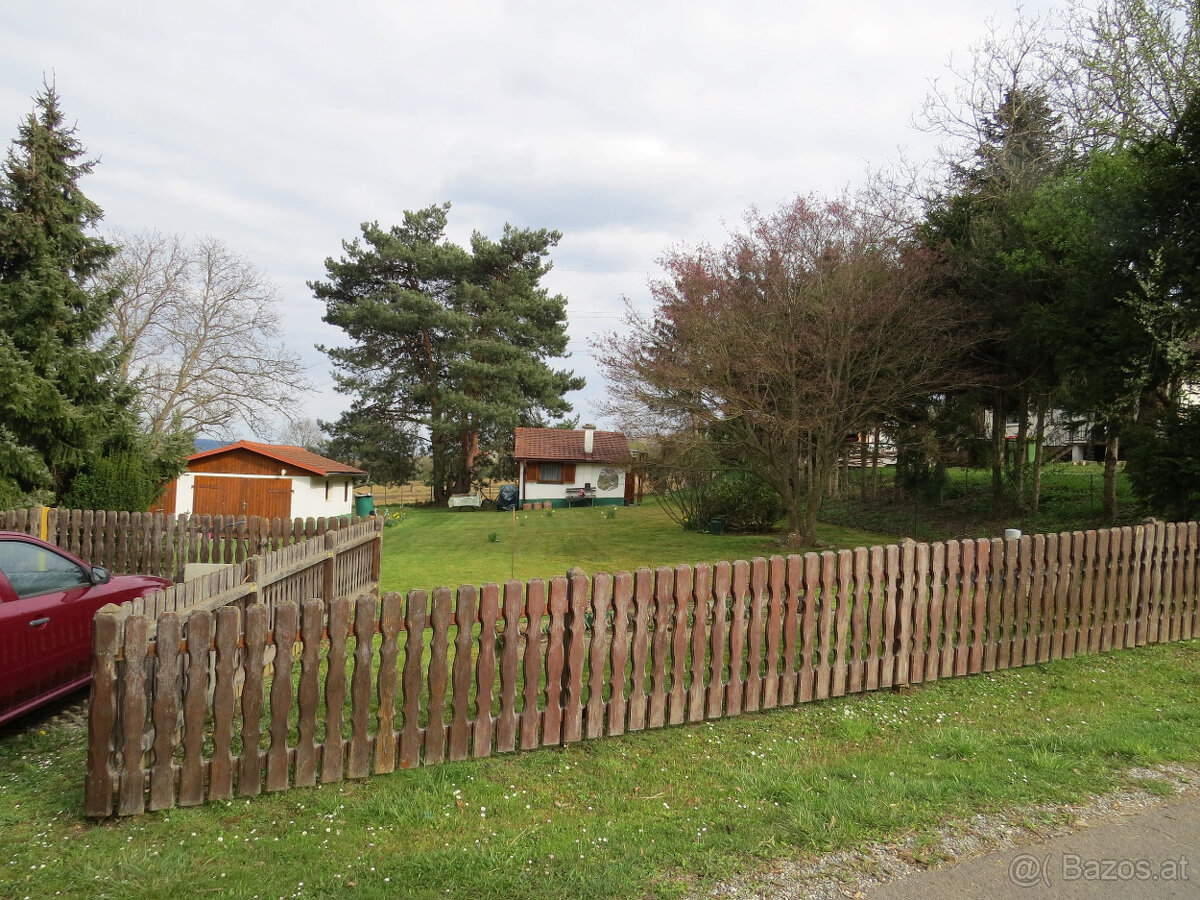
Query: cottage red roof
560	444
297	457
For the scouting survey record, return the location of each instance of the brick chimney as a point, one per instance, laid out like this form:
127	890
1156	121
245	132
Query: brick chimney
589	434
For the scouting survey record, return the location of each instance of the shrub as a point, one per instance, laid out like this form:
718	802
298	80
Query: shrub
918	476
119	481
1164	465
741	500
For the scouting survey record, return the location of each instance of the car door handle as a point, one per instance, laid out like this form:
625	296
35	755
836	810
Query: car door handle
38	623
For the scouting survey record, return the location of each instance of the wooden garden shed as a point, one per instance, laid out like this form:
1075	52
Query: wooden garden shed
269	480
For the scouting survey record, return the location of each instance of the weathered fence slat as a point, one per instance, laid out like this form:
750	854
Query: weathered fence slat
663	606
598	650
791	628
552	715
102	713
166	711
535	603
132	798
619	658
735	686
916	670
390	620
460	725
844	600
195	709
718	641
576	633
812	589
828	599
312	621
333	750
506	722
439	675
677	696
904	575
752	700
287	621
483	726
937	596
890	588
358	761
701	609
250	764
220	777
412	735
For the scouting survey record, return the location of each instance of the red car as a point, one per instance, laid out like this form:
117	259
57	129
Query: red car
47	600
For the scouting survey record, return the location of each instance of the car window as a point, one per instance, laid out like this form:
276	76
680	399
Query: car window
33	570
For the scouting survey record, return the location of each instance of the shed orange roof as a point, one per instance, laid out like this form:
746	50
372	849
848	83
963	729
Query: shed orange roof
560	444
292	456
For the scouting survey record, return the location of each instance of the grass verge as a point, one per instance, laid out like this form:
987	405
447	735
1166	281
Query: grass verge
656	813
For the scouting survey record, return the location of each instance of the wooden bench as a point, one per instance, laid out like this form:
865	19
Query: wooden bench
580	495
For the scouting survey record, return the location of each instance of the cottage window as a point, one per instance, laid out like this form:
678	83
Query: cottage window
550	473
346	491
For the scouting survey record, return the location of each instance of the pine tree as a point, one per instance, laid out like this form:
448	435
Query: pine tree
62	404
450	342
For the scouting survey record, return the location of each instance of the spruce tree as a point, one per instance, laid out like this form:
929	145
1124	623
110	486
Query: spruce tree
62	404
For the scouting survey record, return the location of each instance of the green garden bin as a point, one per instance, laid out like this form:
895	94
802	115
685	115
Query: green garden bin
364	505
716	526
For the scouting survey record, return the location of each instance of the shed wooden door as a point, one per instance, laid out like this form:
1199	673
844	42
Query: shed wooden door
269	497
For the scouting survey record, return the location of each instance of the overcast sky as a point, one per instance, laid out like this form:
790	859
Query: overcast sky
279	128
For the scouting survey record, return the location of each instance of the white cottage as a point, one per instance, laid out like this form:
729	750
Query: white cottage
272	480
566	467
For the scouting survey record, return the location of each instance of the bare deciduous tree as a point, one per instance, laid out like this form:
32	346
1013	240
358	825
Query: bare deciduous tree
804	329
198	326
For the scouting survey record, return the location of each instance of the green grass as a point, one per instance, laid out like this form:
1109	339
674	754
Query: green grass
1071	500
439	547
657	813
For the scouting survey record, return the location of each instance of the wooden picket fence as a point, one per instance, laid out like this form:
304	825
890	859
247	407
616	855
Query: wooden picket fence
533	664
133	543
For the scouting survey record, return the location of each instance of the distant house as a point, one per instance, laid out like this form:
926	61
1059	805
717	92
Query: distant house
562	466
271	480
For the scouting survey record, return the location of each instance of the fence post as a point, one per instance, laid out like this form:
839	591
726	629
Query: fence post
253	571
377	553
102	710
329	574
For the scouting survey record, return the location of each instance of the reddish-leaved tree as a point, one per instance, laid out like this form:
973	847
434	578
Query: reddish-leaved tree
810	325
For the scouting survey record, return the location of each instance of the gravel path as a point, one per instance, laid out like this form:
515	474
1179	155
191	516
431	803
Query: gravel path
853	873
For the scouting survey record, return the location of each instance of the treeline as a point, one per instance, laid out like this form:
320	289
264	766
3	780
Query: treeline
1047	269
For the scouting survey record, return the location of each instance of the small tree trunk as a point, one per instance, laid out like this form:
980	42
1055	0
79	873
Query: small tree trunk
997	450
863	443
1112	448
1021	451
1039	443
875	466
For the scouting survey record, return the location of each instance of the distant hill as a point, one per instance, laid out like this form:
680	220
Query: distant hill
202	444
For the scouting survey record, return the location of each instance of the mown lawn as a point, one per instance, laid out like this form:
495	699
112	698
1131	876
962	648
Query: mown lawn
657	813
441	547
